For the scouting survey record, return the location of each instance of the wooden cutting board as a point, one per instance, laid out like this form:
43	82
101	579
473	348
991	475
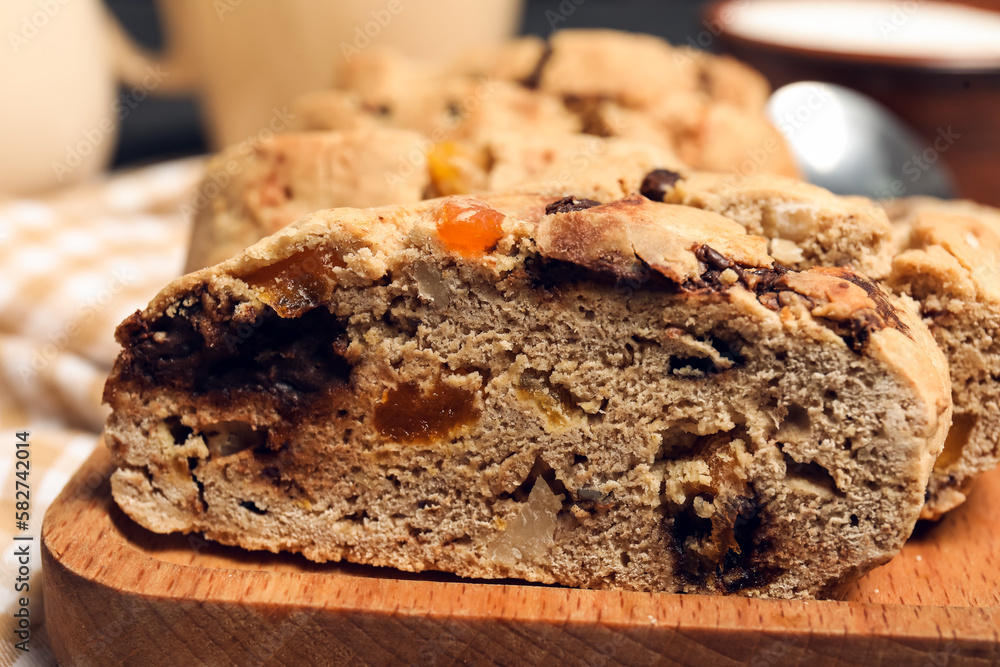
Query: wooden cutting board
116	593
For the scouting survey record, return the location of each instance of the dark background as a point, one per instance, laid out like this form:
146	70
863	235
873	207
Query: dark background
162	128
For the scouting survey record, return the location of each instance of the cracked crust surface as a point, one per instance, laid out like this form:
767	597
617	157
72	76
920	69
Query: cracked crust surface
805	224
949	262
624	395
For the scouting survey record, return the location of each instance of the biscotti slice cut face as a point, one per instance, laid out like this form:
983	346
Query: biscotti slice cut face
627	396
950	263
944	254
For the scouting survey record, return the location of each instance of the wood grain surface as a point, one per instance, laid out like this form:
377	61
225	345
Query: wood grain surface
118	594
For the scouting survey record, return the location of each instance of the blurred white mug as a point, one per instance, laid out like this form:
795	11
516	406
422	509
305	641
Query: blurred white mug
245	59
248	59
57	120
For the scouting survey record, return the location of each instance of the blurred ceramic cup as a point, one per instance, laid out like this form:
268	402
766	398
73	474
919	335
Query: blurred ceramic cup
936	65
57	120
247	59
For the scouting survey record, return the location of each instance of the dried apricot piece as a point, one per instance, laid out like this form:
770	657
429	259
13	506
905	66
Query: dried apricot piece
296	283
411	415
469	227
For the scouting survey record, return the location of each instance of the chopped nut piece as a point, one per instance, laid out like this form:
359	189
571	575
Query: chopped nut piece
728	277
786	252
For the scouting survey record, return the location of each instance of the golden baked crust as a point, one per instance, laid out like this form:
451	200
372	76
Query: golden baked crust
949	261
250	192
805	224
629	395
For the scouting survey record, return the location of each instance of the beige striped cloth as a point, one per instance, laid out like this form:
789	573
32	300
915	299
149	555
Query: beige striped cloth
72	266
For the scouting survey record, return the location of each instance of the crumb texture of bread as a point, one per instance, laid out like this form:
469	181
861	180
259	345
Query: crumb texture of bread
949	262
628	395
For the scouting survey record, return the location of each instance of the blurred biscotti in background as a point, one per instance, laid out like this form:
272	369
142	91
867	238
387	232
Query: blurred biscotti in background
249	194
707	109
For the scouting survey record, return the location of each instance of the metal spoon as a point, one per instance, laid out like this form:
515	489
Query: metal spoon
850	144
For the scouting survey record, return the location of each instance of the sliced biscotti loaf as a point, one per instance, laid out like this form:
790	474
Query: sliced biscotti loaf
949	261
943	254
629	395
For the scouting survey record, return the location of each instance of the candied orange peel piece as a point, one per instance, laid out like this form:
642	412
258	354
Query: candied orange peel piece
469	227
445	165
